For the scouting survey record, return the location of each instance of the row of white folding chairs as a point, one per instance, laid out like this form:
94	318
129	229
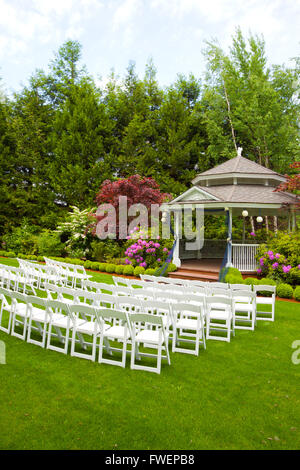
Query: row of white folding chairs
259	290
42	273
42	315
17	279
242	302
73	273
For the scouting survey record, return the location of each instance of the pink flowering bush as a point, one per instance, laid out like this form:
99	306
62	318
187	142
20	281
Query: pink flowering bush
280	259
141	251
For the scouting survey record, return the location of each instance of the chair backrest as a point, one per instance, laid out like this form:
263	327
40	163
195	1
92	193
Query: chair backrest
129	304
136	284
57	305
155	307
221	285
234	287
121	281
146	318
82	310
123	291
143	294
184	307
34	300
109	313
193	283
261	288
106	300
215	299
244	295
219	292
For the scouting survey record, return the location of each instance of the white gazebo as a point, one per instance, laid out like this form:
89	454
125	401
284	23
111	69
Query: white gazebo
237	187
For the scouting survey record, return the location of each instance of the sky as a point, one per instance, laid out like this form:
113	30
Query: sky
114	33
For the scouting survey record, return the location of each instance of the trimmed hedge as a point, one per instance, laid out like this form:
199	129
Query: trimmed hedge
110	268
297	293
251	281
285	291
119	269
150	271
138	270
128	270
233	279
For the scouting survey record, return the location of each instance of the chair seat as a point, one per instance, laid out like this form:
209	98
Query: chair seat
264	300
220	315
241	299
187	324
39	315
116	331
148	336
88	327
61	321
243	307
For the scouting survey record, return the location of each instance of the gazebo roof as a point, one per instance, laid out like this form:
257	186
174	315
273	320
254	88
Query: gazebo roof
236	183
239	164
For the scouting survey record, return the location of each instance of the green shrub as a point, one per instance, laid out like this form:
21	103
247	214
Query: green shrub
94	266
285	291
266	281
150	271
49	244
105	250
138	270
40	258
297	293
102	267
250	281
294	276
171	268
32	257
22	239
11	254
119	269
87	264
233	279
236	273
128	270
110	268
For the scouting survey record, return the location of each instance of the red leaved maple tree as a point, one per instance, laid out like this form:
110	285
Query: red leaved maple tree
137	189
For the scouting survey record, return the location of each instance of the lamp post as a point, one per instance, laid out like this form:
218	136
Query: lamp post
244	214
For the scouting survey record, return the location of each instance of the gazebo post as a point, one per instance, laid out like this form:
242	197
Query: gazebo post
177	230
229	239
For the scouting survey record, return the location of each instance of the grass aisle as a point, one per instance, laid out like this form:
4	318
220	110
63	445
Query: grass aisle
242	395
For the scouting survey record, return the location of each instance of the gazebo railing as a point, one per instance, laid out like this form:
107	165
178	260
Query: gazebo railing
244	256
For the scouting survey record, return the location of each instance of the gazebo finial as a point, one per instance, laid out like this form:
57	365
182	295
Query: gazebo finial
239	151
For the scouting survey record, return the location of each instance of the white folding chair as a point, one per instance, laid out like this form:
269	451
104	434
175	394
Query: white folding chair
244	309
60	319
20	313
264	300
115	327
82	326
188	327
219	317
40	317
145	334
5	310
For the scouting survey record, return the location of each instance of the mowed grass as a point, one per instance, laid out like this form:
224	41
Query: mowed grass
242	395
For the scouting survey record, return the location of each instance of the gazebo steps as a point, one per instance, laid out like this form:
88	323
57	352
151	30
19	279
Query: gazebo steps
203	270
194	275
200	270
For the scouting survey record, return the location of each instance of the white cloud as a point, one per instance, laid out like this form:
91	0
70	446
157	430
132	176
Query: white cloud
42	22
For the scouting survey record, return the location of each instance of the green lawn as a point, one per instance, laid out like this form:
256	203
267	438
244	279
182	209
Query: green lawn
242	395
